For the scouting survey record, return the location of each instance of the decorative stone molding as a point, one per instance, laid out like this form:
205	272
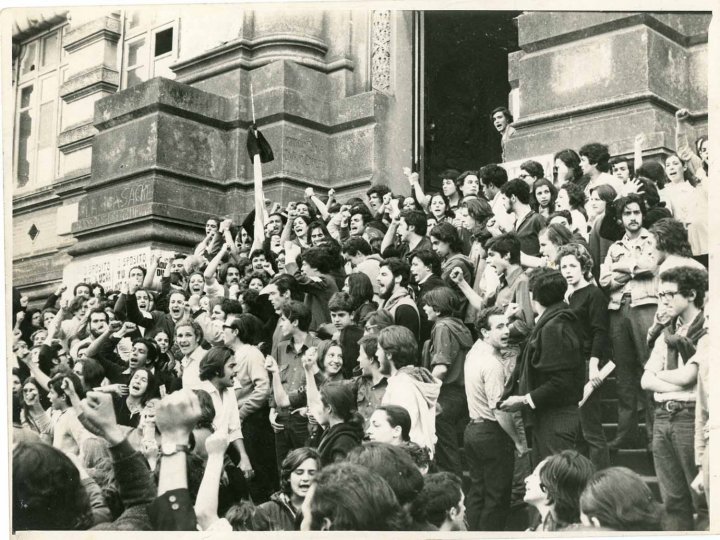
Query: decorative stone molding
107	28
380	52
76	137
95	79
251	54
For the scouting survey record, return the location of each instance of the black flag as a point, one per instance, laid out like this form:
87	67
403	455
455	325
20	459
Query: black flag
257	144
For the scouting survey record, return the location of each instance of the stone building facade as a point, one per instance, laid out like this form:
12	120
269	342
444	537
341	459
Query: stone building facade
129	126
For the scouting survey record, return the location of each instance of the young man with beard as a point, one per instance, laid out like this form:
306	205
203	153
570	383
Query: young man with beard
528	223
291	428
252	390
217	372
410	227
425	270
409	386
548	380
491	436
392	281
671	373
628	276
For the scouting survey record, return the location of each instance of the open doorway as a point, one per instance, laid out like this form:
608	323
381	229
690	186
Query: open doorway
464	75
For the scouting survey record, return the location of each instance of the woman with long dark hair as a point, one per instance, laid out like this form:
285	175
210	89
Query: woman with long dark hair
543	198
360	289
567	167
297	472
141	388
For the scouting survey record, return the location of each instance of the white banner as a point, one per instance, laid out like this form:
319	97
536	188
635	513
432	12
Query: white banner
110	268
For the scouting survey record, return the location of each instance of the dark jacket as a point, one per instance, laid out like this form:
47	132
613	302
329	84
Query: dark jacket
552	368
280	512
136	485
449	343
338	440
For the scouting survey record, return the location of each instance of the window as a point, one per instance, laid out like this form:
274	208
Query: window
151	46
37	105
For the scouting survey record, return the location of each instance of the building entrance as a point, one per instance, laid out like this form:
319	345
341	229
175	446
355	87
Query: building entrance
462	75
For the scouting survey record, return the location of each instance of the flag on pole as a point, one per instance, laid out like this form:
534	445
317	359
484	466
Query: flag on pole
258	145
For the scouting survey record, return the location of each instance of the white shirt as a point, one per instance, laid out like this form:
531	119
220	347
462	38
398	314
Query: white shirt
191	369
227	416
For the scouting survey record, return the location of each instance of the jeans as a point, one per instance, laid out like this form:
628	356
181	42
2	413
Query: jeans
555	430
593	436
628	332
523	464
674	455
259	443
490	456
293	436
453	414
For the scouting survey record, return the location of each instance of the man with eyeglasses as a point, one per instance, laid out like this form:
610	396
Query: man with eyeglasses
628	276
530	171
252	390
671	373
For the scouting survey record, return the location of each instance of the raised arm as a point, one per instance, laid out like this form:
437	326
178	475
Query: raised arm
457	277
280	396
209	273
206	502
414	179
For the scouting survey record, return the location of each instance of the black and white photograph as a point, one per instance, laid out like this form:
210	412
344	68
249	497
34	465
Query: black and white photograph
344	266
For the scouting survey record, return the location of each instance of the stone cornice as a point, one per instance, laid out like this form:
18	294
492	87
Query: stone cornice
600	106
251	54
107	28
76	137
631	20
95	79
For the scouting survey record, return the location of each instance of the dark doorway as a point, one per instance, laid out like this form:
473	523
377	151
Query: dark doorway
465	61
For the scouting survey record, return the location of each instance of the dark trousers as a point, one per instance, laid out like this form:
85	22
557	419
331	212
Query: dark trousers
593	442
628	332
452	403
673	453
259	441
293	436
555	430
490	456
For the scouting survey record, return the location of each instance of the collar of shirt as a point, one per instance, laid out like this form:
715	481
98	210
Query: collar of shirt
307	343
512	276
197	354
627	241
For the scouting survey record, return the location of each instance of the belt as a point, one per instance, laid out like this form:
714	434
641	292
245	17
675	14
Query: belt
482	421
673	406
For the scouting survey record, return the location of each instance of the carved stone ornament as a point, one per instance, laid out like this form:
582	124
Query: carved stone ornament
380	59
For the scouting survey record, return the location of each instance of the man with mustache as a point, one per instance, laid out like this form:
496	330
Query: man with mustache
392	281
628	276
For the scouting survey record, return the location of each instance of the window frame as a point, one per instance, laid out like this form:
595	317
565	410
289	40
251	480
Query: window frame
36	78
147	31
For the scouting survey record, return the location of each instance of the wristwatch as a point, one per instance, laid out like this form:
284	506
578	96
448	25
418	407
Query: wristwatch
170	449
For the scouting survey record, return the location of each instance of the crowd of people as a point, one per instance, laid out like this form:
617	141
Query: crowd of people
341	365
